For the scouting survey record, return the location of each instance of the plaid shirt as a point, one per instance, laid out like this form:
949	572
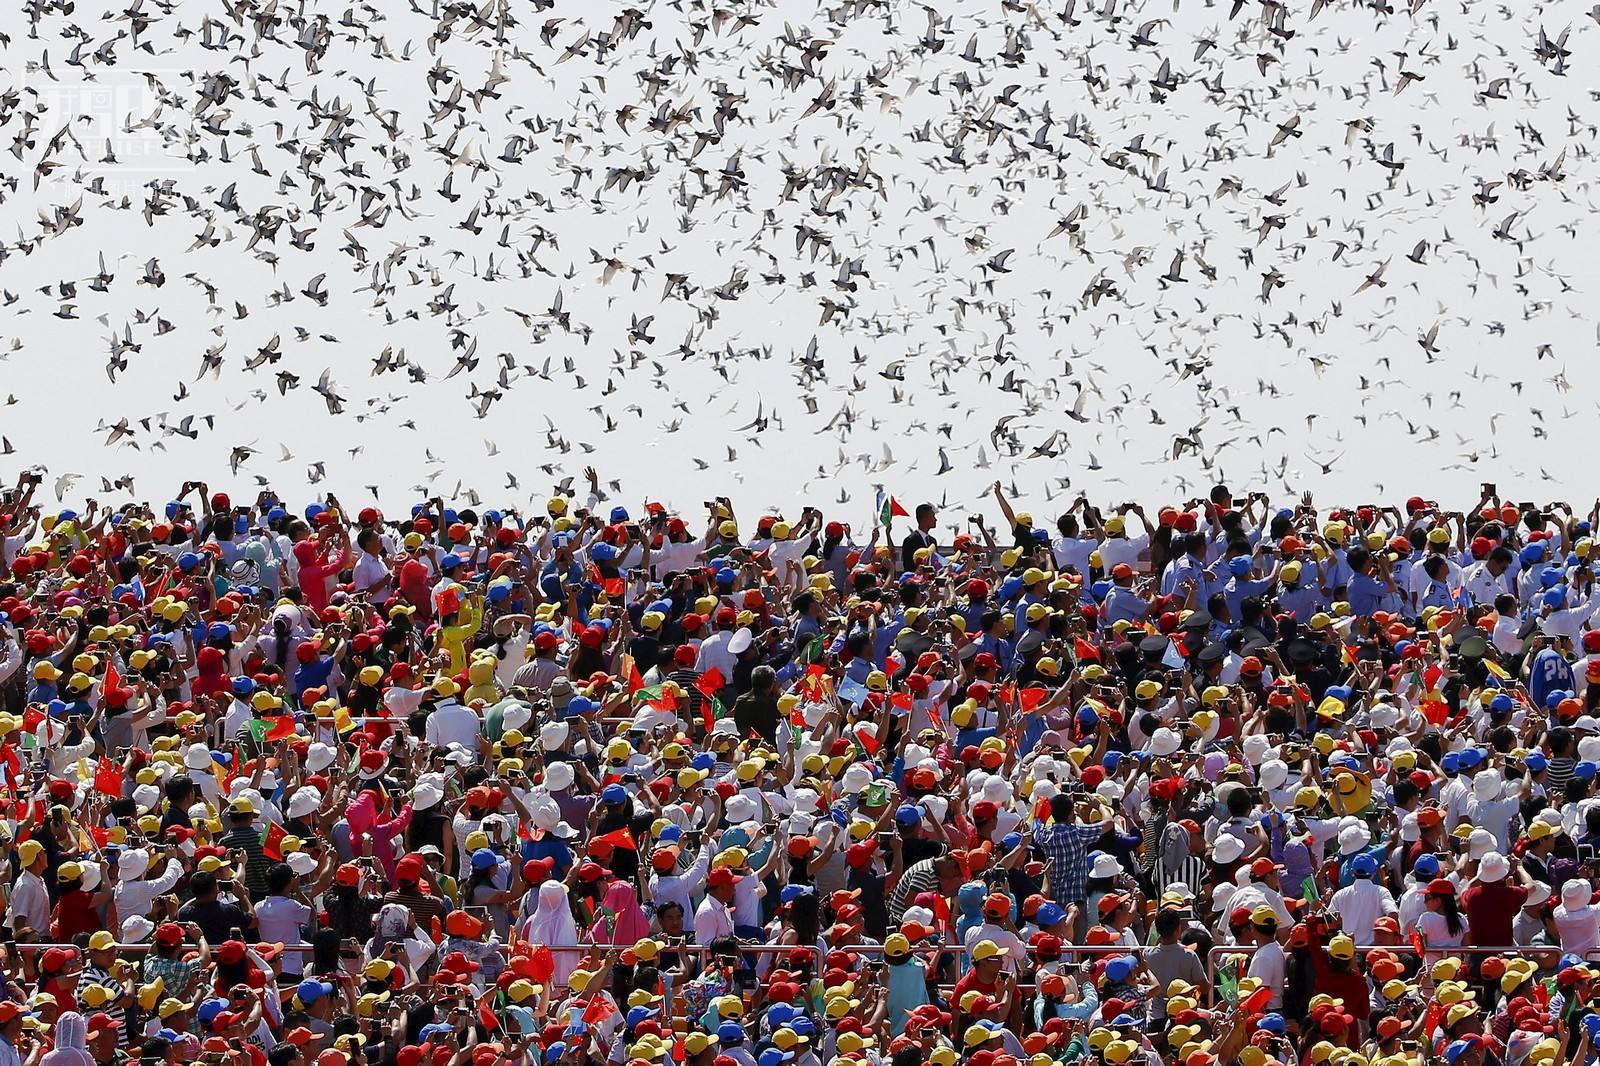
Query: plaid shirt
175	973
1068	849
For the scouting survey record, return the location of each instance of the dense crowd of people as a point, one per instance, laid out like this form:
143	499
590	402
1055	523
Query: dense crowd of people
1281	785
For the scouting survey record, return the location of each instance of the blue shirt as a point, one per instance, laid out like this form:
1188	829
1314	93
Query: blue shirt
1550	671
1366	595
1238	588
1124	605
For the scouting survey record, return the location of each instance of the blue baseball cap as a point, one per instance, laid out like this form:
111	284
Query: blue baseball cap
730	1033
582	705
639	1014
450	562
310	991
612	795
1364	865
773	1057
1427	865
619	514
780	1014
1535	762
1451	763
1049	914
208	1010
1584	770
1119	967
484	859
243	686
906	814
1501	704
1273	1023
1239	565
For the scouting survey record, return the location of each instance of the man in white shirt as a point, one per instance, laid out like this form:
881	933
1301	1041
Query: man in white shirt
1485	580
715	917
714	651
1362	902
451	723
28	914
1267	963
1118	547
134	892
671	887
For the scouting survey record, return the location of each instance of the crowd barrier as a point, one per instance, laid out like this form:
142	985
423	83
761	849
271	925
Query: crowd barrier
1080	952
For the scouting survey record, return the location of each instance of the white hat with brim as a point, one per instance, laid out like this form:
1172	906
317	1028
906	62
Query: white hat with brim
305	800
319	757
558	776
135	928
197	757
428	793
1493	867
1228	848
740	642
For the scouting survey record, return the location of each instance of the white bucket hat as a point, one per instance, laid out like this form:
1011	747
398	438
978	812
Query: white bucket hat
319	757
1227	849
516	714
135	928
301	863
1105	865
428	793
1274	772
145	797
1164	742
742	808
558	776
553	734
304	801
197	757
1256	747
1493	867
132	865
1352	838
1575	893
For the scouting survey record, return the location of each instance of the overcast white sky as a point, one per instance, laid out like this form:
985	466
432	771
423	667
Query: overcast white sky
1319	371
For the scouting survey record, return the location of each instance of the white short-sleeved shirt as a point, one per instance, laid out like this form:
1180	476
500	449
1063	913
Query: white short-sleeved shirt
1114	550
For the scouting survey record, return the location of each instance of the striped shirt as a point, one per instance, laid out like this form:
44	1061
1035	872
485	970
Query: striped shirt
248	840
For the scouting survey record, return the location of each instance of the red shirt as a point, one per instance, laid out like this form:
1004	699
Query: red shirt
73	915
1490	908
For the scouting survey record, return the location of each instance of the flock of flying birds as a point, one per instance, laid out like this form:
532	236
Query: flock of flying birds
476	246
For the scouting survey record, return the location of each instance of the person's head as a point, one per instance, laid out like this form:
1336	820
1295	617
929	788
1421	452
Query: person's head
763	680
11	1021
950	875
287	1053
203	886
926	517
103	1036
180	791
669	916
1168	923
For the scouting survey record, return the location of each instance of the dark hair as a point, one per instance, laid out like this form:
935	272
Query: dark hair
1168	922
924	510
278	877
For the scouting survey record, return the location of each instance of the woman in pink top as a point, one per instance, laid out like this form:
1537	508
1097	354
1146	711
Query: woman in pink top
364	816
318	571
